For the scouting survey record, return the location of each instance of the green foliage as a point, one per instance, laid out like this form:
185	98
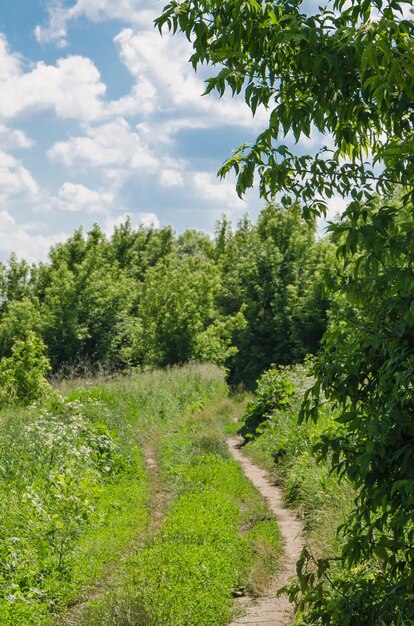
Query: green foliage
286	449
177	303
51	469
214	345
341	71
276	271
345	70
22	375
274	391
19	318
148	297
365	370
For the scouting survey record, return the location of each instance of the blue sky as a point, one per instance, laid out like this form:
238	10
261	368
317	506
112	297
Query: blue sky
100	117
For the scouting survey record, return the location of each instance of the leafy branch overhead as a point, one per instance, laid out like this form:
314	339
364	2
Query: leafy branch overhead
347	71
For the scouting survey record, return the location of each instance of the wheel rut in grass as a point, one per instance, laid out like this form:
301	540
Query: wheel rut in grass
159	502
270	610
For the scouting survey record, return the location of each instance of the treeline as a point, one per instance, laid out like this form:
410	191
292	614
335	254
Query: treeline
150	297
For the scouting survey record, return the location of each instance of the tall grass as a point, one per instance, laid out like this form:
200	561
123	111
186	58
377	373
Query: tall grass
74	491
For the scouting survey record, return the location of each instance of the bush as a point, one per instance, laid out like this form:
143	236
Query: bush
23	374
274	391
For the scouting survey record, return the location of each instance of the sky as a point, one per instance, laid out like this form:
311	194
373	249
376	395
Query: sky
101	117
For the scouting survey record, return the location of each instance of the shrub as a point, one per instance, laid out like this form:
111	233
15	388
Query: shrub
274	391
23	374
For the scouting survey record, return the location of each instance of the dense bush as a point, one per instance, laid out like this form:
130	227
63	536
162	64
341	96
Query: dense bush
23	374
274	391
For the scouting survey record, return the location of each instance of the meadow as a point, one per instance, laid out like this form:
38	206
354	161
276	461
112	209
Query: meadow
121	505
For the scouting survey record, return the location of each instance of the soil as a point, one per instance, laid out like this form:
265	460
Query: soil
270	610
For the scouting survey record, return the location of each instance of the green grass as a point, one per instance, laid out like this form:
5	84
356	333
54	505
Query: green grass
216	539
75	495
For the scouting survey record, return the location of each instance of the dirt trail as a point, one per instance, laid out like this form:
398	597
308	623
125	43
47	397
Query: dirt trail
269	610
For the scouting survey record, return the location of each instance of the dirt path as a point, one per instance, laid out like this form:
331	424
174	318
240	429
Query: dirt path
269	610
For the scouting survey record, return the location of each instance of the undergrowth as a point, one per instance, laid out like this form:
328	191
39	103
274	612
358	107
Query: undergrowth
285	448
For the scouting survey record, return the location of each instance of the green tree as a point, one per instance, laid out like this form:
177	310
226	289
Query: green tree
137	250
347	71
366	369
179	314
20	317
276	270
344	70
15	281
85	300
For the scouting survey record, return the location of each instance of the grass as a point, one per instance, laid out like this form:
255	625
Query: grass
215	542
75	494
81	542
285	449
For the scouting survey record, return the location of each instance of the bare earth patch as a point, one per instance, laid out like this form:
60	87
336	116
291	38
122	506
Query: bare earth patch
270	610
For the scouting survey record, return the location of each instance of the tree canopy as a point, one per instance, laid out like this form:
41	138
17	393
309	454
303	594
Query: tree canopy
149	297
346	71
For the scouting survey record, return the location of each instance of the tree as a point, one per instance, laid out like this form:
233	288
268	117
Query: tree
179	314
348	71
275	269
23	373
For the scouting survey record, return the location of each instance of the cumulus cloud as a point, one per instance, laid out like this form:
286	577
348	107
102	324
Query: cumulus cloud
222	194
131	11
72	197
15	179
336	206
72	88
20	239
10	64
14	138
167	80
137	219
148	220
171	178
114	146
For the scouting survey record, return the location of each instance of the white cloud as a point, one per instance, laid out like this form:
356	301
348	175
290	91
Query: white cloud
167	83
13	138
114	146
15	179
137	219
336	206
10	64
26	244
222	194
140	12
72	197
171	178
72	88
148	220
